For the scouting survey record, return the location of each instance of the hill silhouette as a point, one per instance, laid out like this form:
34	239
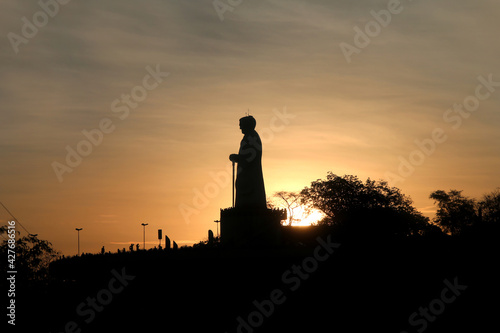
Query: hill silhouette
362	284
375	263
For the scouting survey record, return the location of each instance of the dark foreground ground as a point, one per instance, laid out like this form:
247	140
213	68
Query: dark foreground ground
364	285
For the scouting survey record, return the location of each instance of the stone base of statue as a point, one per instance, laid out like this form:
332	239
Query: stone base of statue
251	228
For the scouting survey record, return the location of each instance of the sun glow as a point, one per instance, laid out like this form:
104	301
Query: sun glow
303	217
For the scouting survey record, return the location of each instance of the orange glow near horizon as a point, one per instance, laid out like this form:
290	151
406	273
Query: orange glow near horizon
302	217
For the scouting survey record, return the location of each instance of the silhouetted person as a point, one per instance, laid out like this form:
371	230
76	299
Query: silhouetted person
210	237
250	191
102	250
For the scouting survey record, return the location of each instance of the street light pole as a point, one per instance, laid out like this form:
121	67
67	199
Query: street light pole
144	235
78	229
217	221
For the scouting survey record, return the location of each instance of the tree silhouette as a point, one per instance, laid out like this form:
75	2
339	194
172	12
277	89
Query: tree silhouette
455	212
370	207
490	207
291	200
33	257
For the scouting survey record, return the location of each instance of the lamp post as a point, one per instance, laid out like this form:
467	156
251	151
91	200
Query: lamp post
144	235
217	221
78	229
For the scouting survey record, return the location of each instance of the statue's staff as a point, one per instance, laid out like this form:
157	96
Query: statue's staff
233	183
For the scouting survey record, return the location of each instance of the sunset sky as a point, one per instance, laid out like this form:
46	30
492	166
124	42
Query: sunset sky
161	157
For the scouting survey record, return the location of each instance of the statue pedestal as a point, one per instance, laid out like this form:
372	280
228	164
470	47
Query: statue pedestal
251	228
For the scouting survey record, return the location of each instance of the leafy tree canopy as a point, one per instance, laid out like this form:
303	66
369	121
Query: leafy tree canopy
457	214
369	207
33	256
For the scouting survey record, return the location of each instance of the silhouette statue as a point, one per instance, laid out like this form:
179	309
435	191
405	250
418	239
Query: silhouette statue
250	191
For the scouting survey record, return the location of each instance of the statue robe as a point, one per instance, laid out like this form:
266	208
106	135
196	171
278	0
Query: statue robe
250	191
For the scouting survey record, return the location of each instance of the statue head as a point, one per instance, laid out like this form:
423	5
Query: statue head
247	124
